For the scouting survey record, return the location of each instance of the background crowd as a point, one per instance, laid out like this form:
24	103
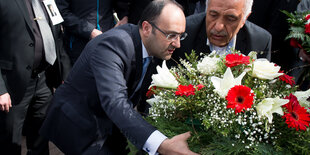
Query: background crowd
36	56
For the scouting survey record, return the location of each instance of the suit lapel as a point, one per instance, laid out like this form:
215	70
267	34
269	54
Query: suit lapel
22	5
241	42
138	56
201	42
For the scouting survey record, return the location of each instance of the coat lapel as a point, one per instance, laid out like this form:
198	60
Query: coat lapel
201	42
22	5
241	42
138	56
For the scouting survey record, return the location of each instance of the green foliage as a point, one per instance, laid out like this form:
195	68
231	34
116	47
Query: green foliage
297	30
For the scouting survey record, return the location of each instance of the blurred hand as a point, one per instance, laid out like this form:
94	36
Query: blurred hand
95	33
177	145
304	56
5	102
121	22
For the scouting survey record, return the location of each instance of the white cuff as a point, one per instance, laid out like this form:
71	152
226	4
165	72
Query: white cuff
152	143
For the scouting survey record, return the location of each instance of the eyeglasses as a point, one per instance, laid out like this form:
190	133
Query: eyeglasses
171	36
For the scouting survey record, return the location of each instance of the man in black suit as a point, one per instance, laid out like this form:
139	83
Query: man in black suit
86	19
93	112
222	28
26	73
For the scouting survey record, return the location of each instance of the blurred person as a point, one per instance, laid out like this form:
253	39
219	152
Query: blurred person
93	112
222	28
86	19
301	68
32	63
267	14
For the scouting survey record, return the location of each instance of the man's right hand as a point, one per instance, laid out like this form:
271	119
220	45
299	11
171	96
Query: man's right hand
177	145
5	102
95	33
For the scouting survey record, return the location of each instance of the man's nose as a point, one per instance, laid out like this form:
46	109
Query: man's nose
176	43
219	26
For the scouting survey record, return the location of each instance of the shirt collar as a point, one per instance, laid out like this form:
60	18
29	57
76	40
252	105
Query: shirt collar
223	50
145	54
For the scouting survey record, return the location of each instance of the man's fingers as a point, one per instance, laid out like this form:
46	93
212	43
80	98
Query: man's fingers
185	135
192	153
7	107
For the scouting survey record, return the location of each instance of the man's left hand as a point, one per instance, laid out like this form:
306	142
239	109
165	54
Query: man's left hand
121	22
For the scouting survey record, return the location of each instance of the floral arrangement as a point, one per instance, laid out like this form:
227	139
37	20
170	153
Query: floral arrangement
232	104
299	30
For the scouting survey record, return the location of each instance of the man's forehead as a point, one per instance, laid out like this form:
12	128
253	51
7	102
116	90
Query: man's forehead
227	4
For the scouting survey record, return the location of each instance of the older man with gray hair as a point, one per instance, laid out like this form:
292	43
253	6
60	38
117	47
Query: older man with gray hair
223	28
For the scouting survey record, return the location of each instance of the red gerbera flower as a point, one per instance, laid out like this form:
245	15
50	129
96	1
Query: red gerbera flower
200	86
296	115
233	60
239	97
185	90
286	78
150	92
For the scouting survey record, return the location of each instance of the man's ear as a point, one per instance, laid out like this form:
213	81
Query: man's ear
146	28
243	22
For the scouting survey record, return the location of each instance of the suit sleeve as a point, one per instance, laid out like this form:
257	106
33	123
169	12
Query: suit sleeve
76	25
110	62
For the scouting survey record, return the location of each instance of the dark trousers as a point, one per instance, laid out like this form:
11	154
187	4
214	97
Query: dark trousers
26	118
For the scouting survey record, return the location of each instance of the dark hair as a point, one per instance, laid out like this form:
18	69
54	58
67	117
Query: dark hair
153	10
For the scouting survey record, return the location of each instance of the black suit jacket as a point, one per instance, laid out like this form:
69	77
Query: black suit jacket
17	51
95	97
249	38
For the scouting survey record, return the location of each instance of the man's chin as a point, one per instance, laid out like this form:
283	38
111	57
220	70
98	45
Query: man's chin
218	43
167	57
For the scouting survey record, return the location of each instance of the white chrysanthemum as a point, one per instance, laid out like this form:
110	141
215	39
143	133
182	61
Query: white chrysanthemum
208	65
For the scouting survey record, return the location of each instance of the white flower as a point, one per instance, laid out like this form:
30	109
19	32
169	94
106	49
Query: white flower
153	100
164	78
208	65
302	97
269	106
263	69
222	86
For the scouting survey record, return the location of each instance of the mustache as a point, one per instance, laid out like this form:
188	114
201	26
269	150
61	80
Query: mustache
171	47
221	33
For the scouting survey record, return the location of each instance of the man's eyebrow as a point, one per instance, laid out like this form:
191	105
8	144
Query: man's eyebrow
232	16
213	11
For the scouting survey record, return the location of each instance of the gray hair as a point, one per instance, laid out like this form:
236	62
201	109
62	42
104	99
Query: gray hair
247	9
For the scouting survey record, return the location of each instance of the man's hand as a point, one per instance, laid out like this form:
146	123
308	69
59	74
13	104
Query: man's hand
95	33
121	22
5	102
304	56
177	145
